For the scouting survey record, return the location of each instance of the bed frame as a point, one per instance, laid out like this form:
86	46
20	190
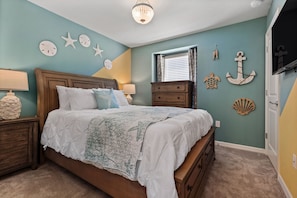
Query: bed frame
189	178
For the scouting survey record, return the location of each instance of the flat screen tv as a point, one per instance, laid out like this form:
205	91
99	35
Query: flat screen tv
284	39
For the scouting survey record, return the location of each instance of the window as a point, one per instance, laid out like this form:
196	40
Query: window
176	67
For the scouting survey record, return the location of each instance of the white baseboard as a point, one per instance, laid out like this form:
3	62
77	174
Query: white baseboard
284	186
241	147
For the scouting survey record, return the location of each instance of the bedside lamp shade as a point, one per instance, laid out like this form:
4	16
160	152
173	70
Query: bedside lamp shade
10	105
129	89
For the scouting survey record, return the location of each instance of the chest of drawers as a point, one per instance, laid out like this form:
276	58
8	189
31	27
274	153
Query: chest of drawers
174	93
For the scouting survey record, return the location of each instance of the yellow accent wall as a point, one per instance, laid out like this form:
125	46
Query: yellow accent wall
121	69
288	141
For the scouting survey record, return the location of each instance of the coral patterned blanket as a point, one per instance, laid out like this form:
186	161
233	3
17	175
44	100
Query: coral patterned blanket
115	141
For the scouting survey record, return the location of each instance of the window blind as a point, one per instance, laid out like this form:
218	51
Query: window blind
176	67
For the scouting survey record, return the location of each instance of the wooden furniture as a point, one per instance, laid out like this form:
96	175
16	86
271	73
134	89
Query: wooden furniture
18	144
174	93
189	177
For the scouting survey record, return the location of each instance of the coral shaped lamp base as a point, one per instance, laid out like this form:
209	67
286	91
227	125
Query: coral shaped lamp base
10	107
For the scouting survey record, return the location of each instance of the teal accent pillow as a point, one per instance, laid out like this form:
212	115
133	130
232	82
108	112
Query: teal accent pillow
105	99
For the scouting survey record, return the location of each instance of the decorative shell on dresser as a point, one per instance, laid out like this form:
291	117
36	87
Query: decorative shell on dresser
244	106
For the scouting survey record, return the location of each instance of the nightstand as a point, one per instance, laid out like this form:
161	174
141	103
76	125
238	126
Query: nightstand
18	144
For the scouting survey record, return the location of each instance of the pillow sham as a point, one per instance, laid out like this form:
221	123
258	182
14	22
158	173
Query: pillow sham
80	99
63	97
105	98
121	99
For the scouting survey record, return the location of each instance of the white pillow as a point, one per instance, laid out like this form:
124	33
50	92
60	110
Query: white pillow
81	99
122	100
63	97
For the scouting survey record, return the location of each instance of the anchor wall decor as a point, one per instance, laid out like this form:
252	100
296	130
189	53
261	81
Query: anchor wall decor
240	80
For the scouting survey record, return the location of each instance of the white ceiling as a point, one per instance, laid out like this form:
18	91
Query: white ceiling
173	18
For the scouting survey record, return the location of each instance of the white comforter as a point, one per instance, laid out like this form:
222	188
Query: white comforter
165	145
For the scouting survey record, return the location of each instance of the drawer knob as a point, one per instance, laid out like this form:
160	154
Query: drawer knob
189	188
177	87
178	97
159	97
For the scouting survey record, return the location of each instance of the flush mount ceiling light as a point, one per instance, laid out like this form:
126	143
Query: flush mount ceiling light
256	3
142	12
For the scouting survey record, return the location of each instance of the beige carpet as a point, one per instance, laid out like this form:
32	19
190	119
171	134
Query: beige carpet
235	173
244	174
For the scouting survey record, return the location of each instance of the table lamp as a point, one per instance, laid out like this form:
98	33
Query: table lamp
129	89
10	105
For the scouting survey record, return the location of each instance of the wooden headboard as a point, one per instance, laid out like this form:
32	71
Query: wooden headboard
47	96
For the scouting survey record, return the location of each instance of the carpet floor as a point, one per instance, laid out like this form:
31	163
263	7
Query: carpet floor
235	173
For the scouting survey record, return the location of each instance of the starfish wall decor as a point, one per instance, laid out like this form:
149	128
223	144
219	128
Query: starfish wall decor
98	51
69	40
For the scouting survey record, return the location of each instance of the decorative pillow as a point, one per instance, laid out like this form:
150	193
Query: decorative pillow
105	98
122	100
81	99
63	97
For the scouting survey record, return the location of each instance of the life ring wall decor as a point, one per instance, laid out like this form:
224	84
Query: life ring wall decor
244	106
240	80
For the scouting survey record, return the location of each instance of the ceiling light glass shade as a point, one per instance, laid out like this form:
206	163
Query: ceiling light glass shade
256	3
142	12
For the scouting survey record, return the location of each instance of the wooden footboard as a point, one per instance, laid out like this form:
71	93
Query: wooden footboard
189	177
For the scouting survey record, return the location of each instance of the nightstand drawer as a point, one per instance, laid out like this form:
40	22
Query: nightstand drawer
18	144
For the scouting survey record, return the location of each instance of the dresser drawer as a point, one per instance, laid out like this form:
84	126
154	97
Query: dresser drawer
175	87
195	177
170	97
209	152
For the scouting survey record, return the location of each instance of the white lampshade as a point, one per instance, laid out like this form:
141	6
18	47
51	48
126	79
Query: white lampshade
10	105
13	80
129	89
142	12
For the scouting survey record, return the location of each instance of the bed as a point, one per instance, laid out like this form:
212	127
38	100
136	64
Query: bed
189	177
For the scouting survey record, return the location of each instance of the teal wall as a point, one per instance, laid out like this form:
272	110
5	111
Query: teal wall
248	37
24	25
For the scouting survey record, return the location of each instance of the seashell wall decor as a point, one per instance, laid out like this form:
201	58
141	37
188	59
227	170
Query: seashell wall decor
244	106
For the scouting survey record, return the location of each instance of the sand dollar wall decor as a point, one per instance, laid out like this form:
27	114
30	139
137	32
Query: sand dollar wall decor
244	106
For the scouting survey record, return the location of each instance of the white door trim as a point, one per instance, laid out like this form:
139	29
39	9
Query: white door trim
268	67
